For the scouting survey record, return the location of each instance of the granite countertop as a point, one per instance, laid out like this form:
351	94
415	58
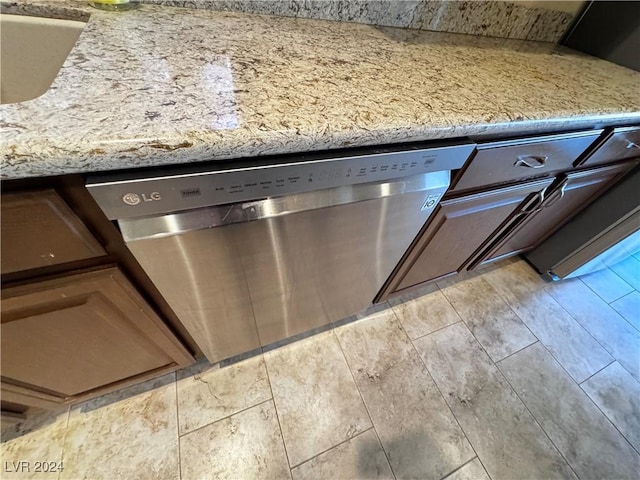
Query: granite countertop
162	85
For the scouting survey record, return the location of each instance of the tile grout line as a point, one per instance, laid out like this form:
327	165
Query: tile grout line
222	418
332	447
275	407
588	333
595	373
450	410
628	258
508	306
436	384
625	318
543	289
607	416
495	362
462	466
441	290
615	359
600	296
531	413
473	334
64	441
435	331
373	426
175	382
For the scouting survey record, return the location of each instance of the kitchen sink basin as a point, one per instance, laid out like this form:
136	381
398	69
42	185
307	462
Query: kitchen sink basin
32	51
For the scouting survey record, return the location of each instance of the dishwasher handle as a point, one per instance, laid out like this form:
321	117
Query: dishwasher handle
158	226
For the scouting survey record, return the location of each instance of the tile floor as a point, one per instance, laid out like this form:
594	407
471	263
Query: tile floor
498	375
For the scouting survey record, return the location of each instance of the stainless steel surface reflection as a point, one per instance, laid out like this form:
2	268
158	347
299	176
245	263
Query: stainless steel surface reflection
252	273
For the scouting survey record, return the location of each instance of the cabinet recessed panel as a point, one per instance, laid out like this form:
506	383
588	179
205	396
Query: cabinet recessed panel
39	230
72	335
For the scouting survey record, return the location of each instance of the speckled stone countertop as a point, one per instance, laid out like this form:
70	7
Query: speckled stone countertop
161	85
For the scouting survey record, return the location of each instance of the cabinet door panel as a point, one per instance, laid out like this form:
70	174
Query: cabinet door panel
457	229
39	230
580	189
72	335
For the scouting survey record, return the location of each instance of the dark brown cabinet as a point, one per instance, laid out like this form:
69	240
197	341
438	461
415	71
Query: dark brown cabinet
73	323
621	143
458	228
40	230
67	337
511	195
572	193
511	160
80	317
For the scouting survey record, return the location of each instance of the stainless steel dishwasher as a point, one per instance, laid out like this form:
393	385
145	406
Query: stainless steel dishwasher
254	253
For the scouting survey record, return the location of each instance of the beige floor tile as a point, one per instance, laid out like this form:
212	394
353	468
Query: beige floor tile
617	394
503	433
416	427
607	284
425	314
593	447
358	458
529	276
232	429
246	445
207	394
37	439
492	322
577	351
125	437
629	307
317	400
620	339
471	471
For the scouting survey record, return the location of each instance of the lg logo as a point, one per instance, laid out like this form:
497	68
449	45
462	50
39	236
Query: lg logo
131	198
135	199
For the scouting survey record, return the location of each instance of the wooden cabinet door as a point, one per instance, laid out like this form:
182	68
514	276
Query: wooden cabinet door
39	230
573	193
457	229
66	337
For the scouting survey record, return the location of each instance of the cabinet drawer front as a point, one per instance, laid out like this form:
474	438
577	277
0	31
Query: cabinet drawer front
624	143
69	336
39	230
502	162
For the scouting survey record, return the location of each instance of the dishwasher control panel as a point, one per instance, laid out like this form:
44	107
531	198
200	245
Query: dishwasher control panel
139	196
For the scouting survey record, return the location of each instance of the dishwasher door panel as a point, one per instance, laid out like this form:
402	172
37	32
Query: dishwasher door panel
200	275
310	269
296	266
